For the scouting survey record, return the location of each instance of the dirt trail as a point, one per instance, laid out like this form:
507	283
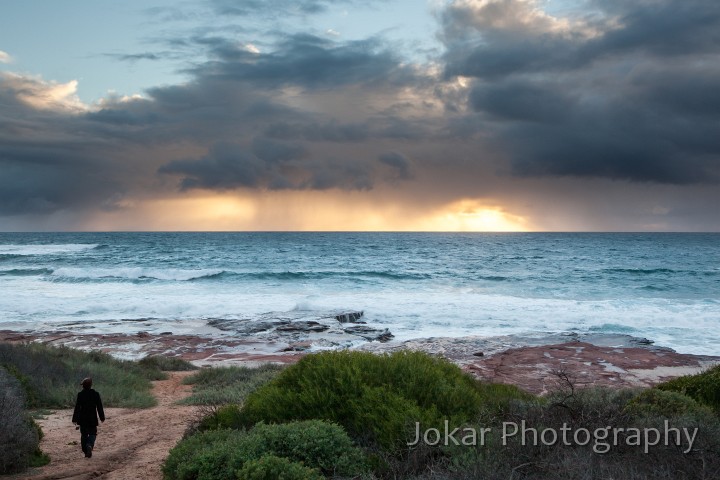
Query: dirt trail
131	444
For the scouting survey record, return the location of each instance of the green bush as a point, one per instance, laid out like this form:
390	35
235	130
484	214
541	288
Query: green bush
317	444
223	385
227	416
376	398
182	462
703	387
219	454
50	376
166	364
665	403
271	467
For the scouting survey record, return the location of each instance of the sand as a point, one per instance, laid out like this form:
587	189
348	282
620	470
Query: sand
131	445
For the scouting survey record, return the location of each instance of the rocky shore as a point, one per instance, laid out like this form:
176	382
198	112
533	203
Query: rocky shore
531	362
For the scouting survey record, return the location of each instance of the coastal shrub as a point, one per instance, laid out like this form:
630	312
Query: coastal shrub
271	467
181	463
219	454
225	416
19	434
166	364
227	385
317	444
665	403
376	398
50	376
593	409
703	387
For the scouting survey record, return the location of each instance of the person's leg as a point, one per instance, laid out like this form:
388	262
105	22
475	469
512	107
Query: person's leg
83	438
90	445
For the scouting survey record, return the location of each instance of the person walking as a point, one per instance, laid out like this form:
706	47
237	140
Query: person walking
88	407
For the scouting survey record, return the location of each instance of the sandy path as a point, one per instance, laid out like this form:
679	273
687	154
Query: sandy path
131	444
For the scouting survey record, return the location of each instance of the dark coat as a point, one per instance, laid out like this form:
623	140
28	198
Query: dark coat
88	407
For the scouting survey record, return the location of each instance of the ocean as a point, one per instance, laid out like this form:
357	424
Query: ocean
665	287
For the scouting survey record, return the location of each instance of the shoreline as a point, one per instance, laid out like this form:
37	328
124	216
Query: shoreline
530	362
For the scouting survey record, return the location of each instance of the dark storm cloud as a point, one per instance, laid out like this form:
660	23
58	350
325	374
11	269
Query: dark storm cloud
47	161
627	93
273	151
307	61
486	43
45	178
399	163
229	166
327	132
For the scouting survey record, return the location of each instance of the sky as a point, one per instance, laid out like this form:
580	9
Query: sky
459	115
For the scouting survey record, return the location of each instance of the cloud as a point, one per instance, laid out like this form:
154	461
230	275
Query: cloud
41	94
226	166
624	92
278	8
242	121
399	163
5	57
53	156
231	166
134	57
307	61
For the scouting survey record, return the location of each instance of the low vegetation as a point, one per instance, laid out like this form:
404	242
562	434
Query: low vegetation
166	364
607	454
375	398
309	449
227	385
19	434
50	376
703	387
271	467
352	414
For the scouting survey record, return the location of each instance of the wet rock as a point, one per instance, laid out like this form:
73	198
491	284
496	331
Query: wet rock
305	326
349	317
369	333
478	354
385	336
247	327
297	347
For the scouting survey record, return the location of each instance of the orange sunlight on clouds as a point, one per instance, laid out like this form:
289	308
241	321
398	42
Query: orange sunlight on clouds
304	211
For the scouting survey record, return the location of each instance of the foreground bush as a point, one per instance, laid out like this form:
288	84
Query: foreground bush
224	385
593	409
664	403
376	398
276	468
703	387
222	454
19	435
50	376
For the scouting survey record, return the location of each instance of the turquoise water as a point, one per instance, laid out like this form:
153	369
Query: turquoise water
665	287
